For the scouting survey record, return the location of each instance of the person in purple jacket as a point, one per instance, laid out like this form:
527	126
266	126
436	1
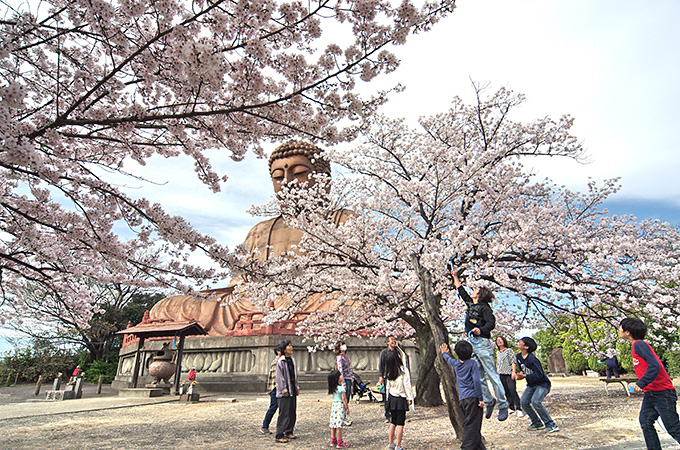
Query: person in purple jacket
469	393
538	386
287	391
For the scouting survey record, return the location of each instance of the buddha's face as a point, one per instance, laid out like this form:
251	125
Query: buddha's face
297	167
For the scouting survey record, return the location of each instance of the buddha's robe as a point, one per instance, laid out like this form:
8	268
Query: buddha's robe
218	314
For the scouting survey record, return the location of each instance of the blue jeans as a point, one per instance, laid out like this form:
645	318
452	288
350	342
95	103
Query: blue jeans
483	353
659	404
348	388
273	406
532	404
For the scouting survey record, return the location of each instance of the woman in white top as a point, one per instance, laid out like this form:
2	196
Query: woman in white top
399	396
504	362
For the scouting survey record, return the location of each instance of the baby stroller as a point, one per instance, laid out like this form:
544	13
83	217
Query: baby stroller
361	389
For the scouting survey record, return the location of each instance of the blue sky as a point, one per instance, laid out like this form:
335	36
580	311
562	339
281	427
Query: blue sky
612	65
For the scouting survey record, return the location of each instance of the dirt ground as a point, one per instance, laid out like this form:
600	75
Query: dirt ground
587	418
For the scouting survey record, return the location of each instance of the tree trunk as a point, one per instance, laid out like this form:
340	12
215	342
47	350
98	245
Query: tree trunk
427	384
440	335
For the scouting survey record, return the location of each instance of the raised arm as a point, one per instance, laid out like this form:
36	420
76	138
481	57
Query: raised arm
456	280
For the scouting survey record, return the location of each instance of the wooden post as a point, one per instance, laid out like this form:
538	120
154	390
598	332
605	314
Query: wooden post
38	385
135	370
99	384
178	369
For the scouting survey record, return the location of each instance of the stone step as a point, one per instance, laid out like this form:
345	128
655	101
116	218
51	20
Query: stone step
141	392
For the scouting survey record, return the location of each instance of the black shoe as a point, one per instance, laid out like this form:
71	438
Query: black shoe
489	408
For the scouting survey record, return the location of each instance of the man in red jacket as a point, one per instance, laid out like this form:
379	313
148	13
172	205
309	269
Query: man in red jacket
660	398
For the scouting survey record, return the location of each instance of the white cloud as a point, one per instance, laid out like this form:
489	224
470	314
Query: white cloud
609	64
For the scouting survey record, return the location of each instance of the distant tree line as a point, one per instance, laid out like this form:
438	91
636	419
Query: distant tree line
583	348
57	344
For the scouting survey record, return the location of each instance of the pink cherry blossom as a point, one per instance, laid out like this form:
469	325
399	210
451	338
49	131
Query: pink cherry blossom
89	86
456	188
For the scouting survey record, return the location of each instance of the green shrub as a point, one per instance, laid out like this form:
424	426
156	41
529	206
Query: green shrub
575	360
672	362
40	358
101	367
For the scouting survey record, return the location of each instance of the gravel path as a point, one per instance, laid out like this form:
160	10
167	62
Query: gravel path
587	418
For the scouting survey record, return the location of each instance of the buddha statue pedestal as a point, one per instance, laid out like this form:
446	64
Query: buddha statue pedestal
241	363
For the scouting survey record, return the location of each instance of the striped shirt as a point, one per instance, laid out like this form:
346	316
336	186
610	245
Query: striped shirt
505	360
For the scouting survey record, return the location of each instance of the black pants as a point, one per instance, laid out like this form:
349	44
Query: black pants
387	408
287	415
472	424
612	370
510	387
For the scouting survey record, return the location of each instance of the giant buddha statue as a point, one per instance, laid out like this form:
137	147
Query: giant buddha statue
221	313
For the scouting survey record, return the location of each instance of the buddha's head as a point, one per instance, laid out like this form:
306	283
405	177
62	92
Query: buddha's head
299	161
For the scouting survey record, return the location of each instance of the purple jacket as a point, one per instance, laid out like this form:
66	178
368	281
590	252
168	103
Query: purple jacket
343	366
283	378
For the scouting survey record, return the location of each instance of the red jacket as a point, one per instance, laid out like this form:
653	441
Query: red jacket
648	368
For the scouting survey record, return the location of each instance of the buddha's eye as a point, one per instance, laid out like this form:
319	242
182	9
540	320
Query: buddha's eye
301	171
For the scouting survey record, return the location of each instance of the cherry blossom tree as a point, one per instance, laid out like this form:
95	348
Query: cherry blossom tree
456	190
42	314
89	87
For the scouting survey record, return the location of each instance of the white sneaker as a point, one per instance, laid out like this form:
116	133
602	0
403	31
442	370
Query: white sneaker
520	414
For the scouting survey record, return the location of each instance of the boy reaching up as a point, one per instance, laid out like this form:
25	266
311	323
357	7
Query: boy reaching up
660	398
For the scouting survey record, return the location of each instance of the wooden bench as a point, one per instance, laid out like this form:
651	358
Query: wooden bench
624	381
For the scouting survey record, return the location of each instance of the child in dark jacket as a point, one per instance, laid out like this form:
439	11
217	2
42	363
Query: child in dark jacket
660	397
538	386
469	393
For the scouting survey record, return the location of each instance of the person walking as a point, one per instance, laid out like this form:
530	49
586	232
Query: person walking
504	361
660	397
399	396
479	320
287	391
271	390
